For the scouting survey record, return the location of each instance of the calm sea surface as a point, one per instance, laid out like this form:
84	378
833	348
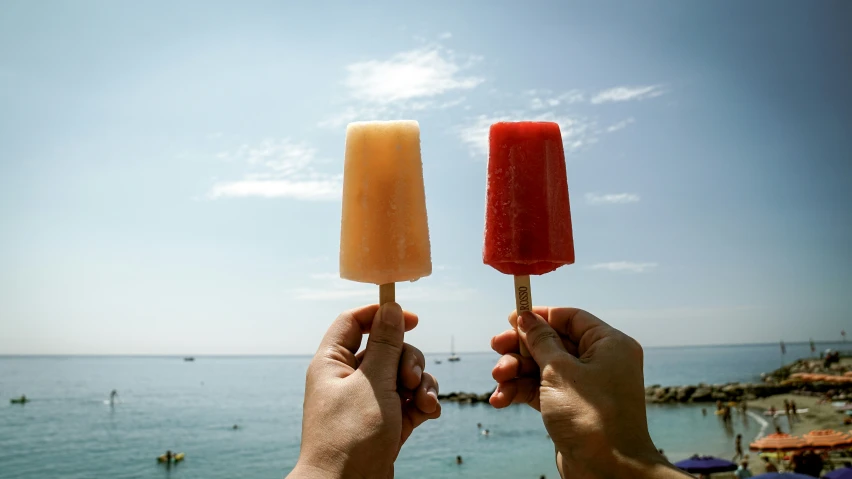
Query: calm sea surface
70	431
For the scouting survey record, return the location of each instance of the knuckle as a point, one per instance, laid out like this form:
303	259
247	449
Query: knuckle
383	341
541	337
633	348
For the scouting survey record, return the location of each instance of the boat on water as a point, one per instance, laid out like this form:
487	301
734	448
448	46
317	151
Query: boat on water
189	358
20	400
453	358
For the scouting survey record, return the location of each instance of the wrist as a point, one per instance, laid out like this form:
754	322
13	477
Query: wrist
650	465
611	463
308	471
325	467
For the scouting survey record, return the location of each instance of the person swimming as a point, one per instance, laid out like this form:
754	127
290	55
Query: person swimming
459	460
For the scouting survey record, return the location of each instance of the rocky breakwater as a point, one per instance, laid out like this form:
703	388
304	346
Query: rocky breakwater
788	379
703	393
465	398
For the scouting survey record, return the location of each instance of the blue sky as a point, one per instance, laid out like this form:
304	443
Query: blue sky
170	173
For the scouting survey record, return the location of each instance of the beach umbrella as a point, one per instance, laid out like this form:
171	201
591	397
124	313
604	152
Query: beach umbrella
845	473
782	475
828	439
705	465
778	442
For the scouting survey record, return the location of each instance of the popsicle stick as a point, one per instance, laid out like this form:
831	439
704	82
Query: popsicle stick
523	302
387	293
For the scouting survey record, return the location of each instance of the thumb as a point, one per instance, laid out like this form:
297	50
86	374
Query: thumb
384	347
544	343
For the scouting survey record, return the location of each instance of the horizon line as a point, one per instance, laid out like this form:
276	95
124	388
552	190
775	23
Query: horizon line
307	355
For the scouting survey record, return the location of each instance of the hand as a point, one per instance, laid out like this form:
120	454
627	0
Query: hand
360	408
586	379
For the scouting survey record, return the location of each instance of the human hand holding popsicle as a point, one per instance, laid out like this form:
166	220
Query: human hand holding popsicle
585	377
527	212
360	407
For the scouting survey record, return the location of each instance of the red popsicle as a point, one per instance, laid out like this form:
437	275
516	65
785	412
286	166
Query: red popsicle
528	216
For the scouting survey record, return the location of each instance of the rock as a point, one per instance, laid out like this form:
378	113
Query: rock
684	393
733	390
702	394
719	396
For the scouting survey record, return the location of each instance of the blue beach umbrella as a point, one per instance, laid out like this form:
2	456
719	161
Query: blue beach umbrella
782	475
845	473
705	465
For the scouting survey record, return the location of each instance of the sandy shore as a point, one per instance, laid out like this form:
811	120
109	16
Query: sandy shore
819	416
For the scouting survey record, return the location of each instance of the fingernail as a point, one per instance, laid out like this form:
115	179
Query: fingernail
432	392
418	371
526	321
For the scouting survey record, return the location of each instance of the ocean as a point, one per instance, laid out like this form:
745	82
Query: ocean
69	430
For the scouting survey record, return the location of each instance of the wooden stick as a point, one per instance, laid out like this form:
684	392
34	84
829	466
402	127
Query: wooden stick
387	293
523	302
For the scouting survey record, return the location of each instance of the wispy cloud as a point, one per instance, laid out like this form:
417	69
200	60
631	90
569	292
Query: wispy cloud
577	132
279	169
619	126
331	287
624	266
412	80
611	199
542	99
627	93
420	73
325	276
445	36
678	314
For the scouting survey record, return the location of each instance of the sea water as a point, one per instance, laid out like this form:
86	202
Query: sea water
70	430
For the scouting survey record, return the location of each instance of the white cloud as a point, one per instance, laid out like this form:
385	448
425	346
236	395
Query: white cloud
281	169
413	80
445	36
420	73
544	99
676	314
612	198
299	190
620	125
576	132
334	288
627	266
325	276
627	93
364	293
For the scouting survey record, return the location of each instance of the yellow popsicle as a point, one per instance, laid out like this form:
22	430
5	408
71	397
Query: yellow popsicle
384	235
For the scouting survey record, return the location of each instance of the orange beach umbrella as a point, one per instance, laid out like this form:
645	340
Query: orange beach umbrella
778	442
828	439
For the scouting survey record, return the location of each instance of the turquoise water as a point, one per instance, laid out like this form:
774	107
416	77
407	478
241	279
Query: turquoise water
70	431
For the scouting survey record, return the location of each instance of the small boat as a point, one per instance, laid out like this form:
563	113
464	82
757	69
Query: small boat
176	458
189	358
437	361
20	400
453	358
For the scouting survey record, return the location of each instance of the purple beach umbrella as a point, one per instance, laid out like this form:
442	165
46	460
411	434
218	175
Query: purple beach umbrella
705	465
844	473
782	475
